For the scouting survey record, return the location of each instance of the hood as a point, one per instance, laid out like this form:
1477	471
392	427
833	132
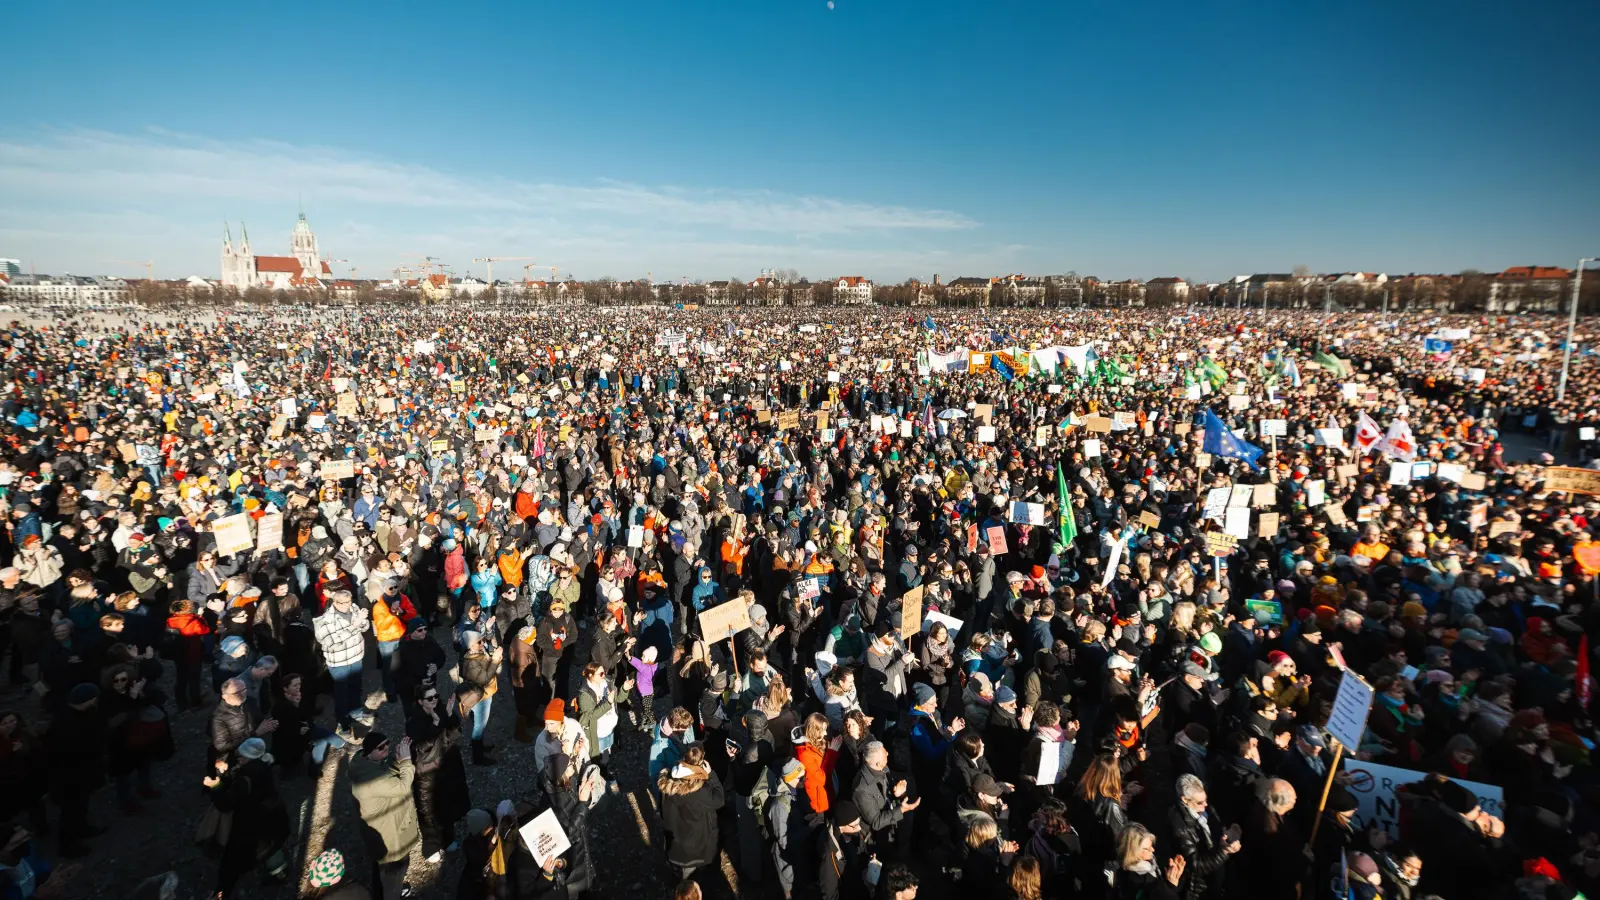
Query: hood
678	787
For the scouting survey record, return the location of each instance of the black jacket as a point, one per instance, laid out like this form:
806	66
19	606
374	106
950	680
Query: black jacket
1201	848
689	812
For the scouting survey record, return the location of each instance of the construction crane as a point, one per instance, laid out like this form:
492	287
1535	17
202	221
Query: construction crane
525	269
149	267
330	263
491	260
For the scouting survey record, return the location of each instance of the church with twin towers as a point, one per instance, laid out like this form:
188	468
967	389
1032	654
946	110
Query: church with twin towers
303	267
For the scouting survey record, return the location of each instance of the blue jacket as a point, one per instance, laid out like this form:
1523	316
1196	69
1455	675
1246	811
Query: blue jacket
927	738
485	583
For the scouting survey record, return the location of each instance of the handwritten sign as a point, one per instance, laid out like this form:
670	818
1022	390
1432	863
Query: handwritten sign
544	837
1220	543
997	540
336	469
1572	480
1351	704
724	621
911	612
269	532
232	534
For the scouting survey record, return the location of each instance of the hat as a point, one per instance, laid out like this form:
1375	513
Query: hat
328	868
986	785
1210	643
1119	663
1275	657
1362	867
478	821
1457	798
792	768
470	637
1004	694
1341	800
921	693
82	694
1312	735
253	748
1193	670
373	741
1413	610
232	645
1528	718
844	812
1471	634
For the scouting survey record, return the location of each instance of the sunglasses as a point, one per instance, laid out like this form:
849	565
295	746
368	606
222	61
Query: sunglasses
431	697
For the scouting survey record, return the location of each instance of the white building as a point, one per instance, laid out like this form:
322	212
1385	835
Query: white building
304	266
68	290
468	287
852	290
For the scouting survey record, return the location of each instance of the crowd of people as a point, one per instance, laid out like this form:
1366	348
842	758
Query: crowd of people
1020	604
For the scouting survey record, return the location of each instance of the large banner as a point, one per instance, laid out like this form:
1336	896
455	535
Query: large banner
1374	789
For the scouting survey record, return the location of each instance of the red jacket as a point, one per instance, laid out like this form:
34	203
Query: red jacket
191	630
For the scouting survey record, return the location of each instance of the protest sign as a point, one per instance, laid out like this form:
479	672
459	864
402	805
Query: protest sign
1028	513
1474	481
269	532
1274	427
1500	526
910	612
1220	543
1348	721
1377	796
1097	424
1572	480
1091	448
336	469
1216	503
1149	519
996	536
544	837
1264	496
724	621
986	434
346	407
386	405
1267	525
984	413
1267	612
1237	522
232	534
287	405
636	536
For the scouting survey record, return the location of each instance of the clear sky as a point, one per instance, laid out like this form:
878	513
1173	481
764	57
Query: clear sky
889	138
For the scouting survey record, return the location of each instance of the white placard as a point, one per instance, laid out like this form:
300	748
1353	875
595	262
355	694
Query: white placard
1238	522
1586	433
1274	427
1400	474
1238	401
1348	721
1330	437
1315	493
985	434
833	377
636	536
544	837
1217	502
1028	513
1452	472
287	404
1091	448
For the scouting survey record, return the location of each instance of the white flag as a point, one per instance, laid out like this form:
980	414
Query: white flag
1398	443
1368	434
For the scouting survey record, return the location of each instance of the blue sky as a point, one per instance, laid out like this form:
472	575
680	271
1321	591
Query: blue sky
890	138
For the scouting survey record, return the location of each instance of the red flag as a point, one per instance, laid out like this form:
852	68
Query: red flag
538	443
1584	685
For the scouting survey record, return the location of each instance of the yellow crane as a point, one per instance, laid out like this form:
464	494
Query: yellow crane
525	269
491	260
149	267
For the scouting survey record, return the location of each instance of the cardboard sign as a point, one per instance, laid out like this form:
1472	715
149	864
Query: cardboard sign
1348	721
984	413
232	534
1572	480
788	419
1346	471
763	415
1238	401
1149	519
269	532
486	435
1501	526
458	387
336	469
544	837
1091	448
1378	802
1267	525
911	612
997	540
386	406
438	445
1474	481
1264	496
1182	428
1097	425
1335	514
1219	543
724	621
129	452
1041	436
346	407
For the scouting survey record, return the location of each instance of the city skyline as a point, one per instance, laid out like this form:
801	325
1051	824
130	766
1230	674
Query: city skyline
889	140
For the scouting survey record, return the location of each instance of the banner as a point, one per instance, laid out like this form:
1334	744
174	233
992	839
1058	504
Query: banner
232	534
1572	480
1378	803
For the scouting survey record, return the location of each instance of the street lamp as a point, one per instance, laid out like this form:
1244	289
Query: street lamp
1572	324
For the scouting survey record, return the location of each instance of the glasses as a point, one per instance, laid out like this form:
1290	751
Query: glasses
431	698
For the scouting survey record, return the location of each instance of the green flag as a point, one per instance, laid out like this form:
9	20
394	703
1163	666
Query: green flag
1065	519
1330	362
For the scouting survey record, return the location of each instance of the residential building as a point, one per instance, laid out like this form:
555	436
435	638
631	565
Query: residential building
852	290
1167	291
719	293
802	293
302	268
343	290
765	290
68	290
1528	288
468	287
969	291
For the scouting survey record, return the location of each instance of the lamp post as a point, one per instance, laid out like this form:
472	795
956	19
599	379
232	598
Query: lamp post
1572	324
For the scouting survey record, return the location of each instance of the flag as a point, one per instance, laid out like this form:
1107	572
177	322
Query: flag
929	324
1437	345
1399	443
1368	434
1001	363
1291	370
927	415
1065	521
1217	375
538	443
1221	441
1330	362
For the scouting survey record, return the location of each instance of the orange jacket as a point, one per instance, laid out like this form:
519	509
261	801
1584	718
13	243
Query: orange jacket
390	624
819	765
511	567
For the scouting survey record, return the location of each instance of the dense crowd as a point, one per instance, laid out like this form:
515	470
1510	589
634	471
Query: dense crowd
1014	604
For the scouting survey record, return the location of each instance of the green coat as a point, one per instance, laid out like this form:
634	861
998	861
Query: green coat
383	791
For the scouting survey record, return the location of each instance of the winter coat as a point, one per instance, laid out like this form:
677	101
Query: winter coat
388	813
1201	848
689	811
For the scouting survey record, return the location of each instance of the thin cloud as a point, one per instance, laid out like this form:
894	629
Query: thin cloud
108	168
